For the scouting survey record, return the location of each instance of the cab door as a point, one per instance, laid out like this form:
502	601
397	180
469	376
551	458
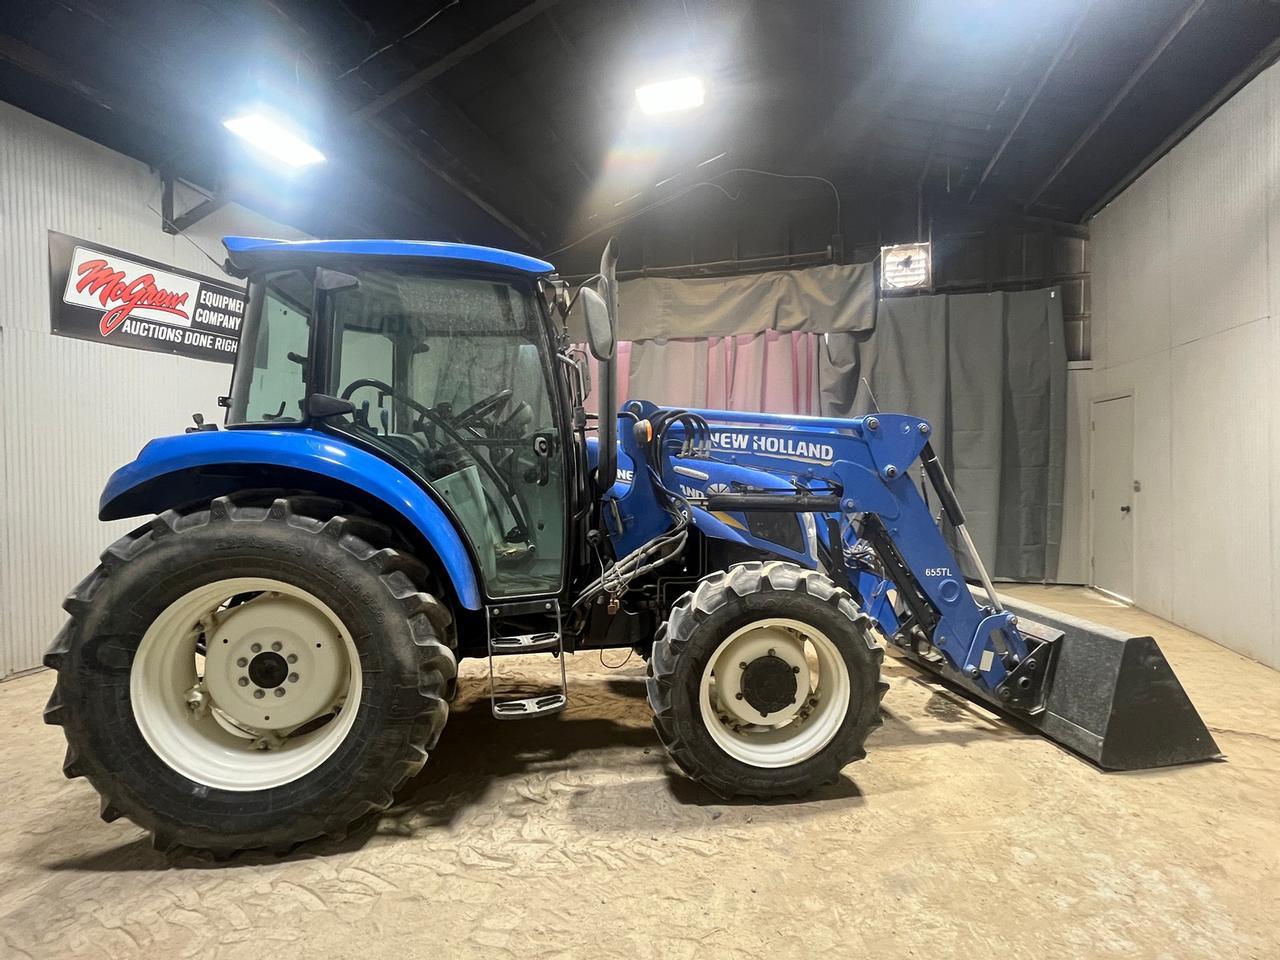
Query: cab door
473	410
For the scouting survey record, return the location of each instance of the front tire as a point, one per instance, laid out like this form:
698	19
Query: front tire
250	676
765	681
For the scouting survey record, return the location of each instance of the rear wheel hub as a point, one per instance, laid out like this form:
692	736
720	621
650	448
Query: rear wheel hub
262	701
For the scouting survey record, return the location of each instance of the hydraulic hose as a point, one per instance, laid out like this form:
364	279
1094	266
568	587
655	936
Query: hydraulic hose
951	507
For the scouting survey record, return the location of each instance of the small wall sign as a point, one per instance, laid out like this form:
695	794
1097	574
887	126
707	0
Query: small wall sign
906	266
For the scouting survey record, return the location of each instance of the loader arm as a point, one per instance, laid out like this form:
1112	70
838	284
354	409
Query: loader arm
858	472
1111	698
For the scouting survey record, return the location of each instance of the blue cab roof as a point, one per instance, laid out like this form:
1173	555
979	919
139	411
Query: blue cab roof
423	249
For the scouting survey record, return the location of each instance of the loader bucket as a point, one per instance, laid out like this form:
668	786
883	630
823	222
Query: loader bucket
1111	698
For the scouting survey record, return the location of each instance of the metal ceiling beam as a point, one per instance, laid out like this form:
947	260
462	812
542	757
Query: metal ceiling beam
62	74
466	130
40	65
539	104
121	105
1063	48
401	143
991	213
1269	55
462	131
934	137
575	59
448	62
1139	72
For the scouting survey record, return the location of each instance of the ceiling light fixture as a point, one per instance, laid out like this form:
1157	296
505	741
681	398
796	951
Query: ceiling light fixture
668	96
274	139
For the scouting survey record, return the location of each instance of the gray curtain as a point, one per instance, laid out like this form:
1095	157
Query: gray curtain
988	370
836	297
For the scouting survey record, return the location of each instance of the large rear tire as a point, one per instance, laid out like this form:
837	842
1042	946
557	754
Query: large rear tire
250	676
765	681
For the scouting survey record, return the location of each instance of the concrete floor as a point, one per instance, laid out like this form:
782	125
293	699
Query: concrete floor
958	836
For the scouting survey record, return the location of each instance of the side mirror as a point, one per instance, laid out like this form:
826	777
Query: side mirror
599	324
556	295
607	468
609	280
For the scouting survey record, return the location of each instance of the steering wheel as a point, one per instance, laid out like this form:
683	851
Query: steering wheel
450	427
363	382
490	404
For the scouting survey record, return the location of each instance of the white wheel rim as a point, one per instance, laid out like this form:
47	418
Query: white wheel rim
221	719
794	733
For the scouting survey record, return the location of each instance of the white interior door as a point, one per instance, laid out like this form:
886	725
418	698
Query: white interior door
1111	496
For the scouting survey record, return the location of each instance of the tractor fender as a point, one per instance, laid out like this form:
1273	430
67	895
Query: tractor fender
147	484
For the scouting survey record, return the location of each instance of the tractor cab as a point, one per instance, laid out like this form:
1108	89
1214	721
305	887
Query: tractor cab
443	359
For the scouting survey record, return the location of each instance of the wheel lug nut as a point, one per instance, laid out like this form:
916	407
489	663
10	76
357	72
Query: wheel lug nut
241	662
243	681
293	678
255	647
277	646
279	691
742	665
795	669
292	658
772	653
738	695
259	694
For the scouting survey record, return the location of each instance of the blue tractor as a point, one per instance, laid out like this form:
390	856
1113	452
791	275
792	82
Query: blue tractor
407	476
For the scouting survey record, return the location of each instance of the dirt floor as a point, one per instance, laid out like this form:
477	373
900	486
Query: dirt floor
959	835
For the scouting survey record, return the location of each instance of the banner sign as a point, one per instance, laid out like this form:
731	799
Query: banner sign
108	296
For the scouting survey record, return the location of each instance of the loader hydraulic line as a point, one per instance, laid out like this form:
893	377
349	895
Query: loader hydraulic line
951	506
941	486
775	502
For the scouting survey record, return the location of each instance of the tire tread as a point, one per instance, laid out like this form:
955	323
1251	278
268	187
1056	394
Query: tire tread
430	626
692	610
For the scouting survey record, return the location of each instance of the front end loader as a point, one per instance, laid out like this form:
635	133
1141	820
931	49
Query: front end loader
407	476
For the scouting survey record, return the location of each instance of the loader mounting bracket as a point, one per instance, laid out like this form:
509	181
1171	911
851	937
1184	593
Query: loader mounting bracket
1026	686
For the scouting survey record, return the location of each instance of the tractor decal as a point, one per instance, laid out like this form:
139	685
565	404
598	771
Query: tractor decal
113	289
770	445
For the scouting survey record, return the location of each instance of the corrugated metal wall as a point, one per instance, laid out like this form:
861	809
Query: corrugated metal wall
1187	320
73	411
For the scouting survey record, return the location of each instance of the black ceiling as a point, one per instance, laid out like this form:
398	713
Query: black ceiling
512	122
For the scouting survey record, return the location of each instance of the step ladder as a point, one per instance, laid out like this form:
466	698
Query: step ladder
506	645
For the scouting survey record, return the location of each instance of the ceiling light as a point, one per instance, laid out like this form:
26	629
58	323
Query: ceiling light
274	139
684	93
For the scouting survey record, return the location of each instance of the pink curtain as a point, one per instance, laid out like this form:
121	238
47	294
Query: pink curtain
771	372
